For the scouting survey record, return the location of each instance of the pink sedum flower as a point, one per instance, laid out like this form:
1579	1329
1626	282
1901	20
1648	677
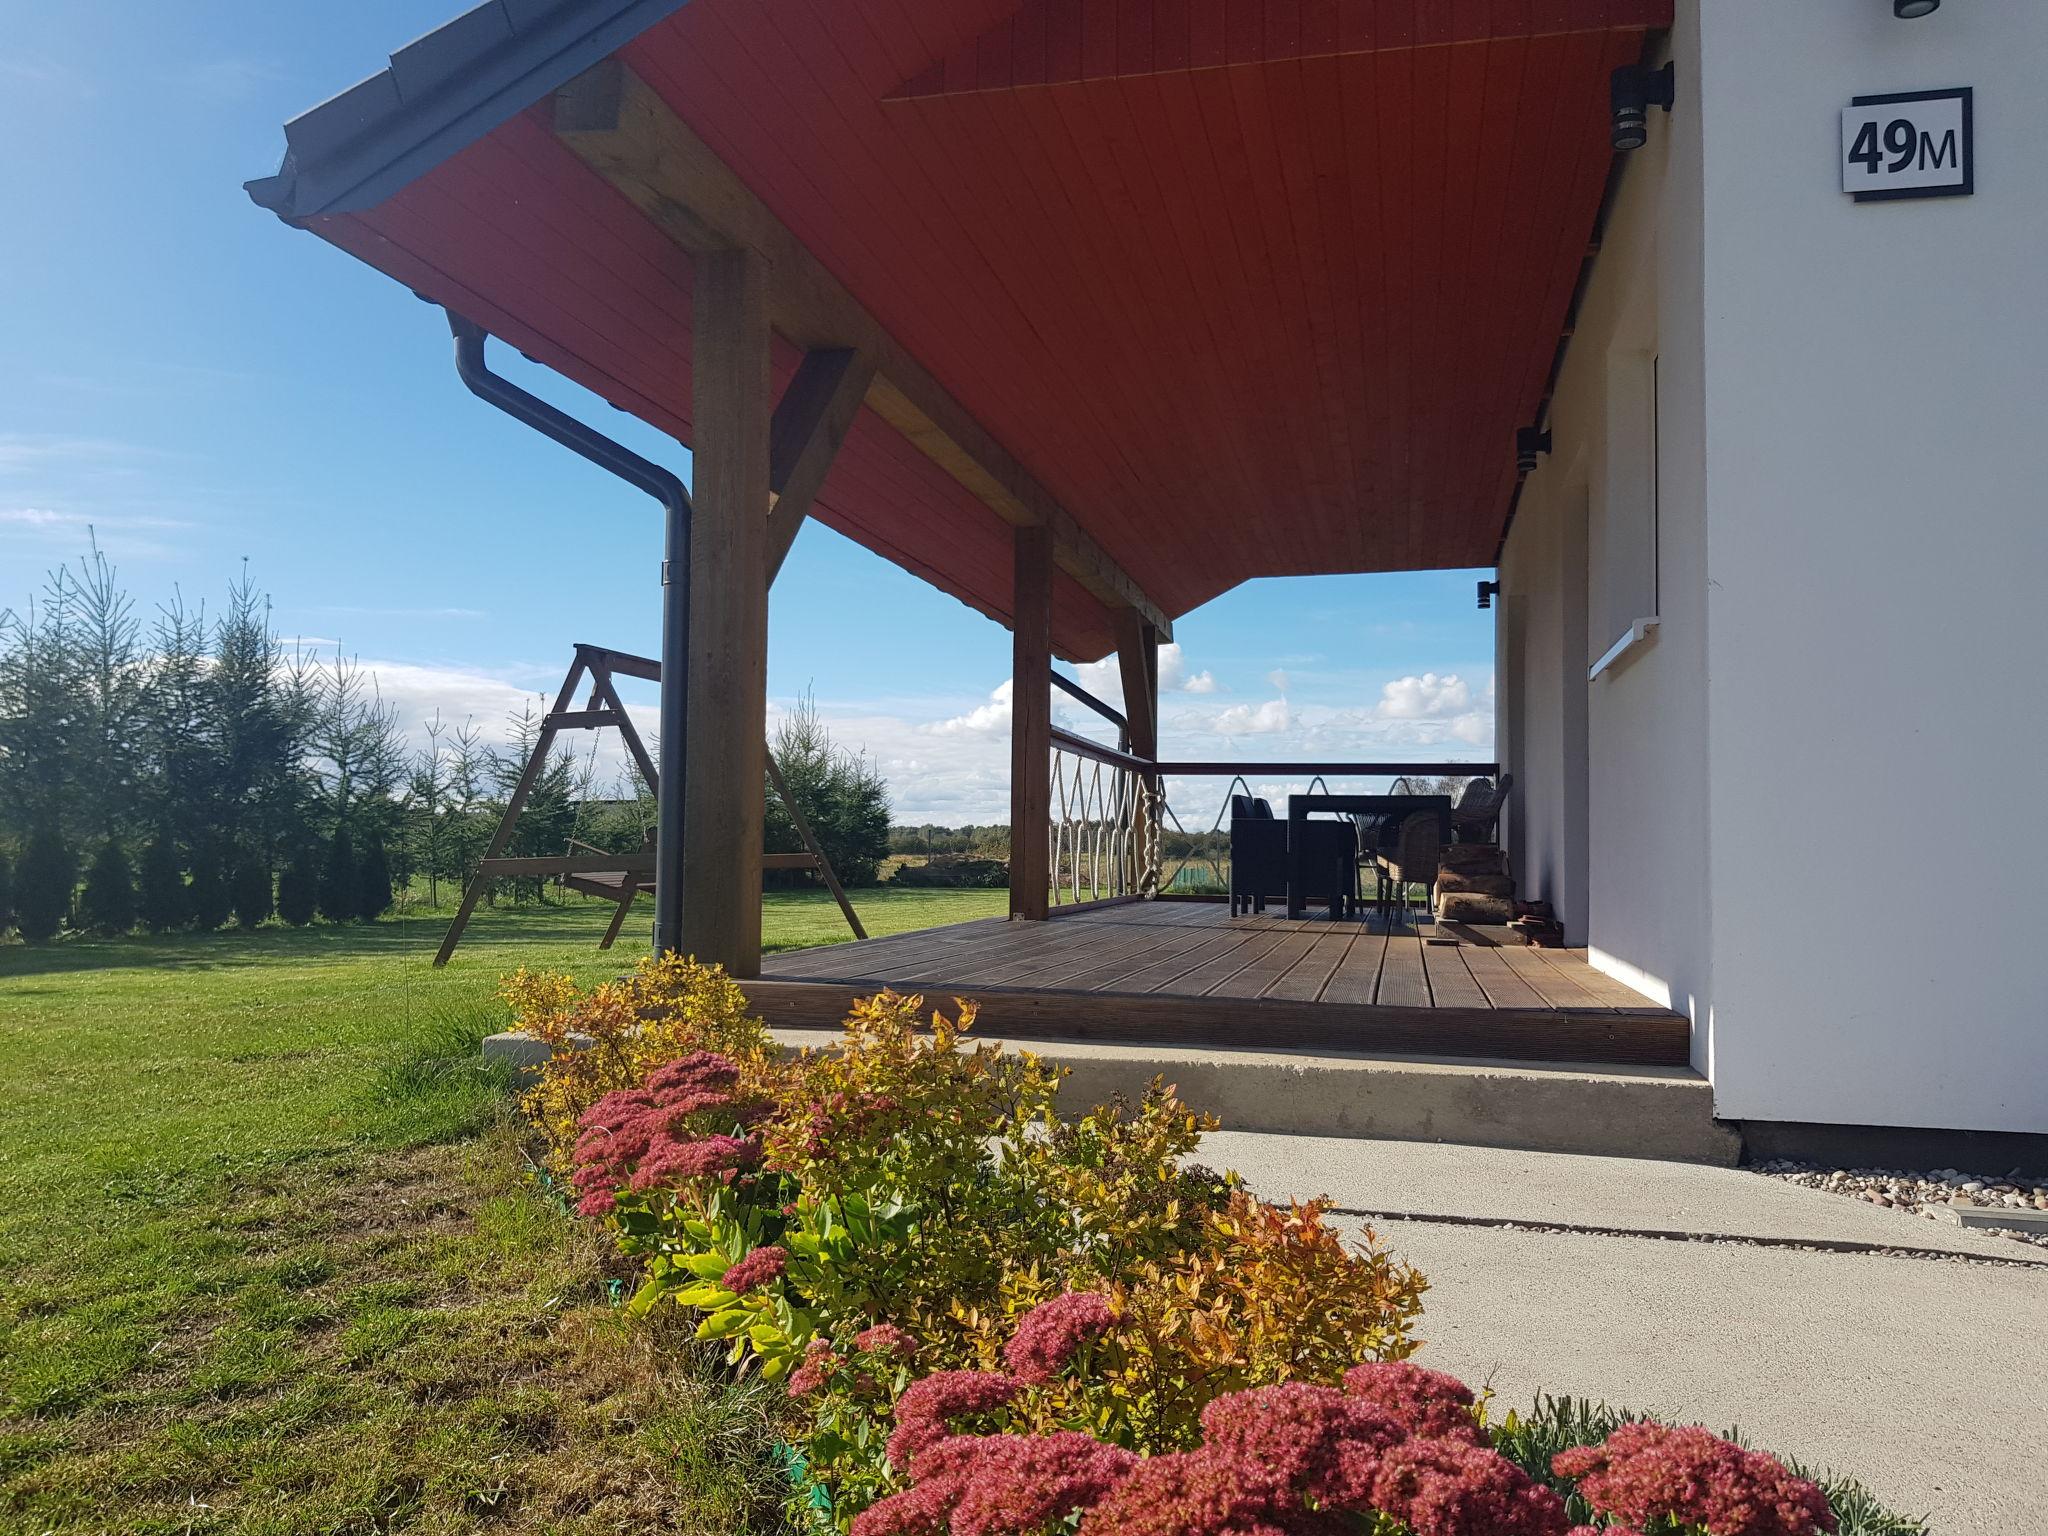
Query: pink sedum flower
999	1485
1047	1337
885	1339
925	1411
1302	1439
818	1364
644	1138
1426	1403
1455	1488
756	1270
1645	1472
1200	1493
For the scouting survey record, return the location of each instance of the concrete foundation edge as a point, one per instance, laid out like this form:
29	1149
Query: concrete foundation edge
1621	1112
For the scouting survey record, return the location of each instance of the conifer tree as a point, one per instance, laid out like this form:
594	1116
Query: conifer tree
298	886
108	905
6	892
373	881
338	877
252	889
213	900
160	896
44	884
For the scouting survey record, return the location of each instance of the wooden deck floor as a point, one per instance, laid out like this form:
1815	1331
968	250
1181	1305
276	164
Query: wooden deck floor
1189	973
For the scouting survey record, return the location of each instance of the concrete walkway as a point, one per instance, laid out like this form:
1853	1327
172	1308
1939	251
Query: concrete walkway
1902	1351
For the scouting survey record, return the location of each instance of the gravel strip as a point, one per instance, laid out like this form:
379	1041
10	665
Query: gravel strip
1931	1194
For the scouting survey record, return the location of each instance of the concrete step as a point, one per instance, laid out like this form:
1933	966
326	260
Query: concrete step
1624	1111
1613	1111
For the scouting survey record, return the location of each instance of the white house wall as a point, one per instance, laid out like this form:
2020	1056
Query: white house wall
1610	821
1877	418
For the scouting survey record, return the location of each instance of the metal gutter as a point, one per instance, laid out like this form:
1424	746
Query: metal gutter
441	94
666	488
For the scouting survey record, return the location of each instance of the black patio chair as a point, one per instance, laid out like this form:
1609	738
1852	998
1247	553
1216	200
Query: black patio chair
1258	859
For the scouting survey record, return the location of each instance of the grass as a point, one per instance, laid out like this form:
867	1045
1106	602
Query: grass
270	1268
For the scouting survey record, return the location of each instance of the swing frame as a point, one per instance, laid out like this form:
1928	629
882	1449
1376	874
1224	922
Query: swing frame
593	872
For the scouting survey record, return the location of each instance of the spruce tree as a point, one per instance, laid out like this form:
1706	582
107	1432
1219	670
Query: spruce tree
213	900
108	906
252	889
298	887
6	892
43	887
338	877
373	881
160	894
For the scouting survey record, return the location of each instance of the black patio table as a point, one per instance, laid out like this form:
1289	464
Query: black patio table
1301	807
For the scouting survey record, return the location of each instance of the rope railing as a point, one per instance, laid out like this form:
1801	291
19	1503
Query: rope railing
1105	822
1115	834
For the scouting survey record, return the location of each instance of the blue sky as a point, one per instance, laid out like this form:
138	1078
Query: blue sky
202	385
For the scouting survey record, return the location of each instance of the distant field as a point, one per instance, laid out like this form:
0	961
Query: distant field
269	1267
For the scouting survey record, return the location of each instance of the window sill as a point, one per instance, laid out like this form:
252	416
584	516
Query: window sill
1635	636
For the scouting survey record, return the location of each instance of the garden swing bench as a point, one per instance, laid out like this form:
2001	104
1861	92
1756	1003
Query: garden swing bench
615	877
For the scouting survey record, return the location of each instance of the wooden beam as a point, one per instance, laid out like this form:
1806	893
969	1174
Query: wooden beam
620	127
804	436
722	784
1031	724
1137	651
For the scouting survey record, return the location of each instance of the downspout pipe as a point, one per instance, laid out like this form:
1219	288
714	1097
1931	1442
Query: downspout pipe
666	488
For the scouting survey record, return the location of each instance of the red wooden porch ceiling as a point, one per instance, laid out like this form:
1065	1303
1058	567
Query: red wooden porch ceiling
1253	287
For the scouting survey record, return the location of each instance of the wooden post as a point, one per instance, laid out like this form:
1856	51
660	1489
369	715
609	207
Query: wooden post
1137	650
723	785
1031	723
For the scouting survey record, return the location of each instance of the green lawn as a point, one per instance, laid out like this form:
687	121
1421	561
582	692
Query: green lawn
269	1264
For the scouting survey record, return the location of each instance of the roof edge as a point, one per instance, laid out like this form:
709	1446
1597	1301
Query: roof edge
442	93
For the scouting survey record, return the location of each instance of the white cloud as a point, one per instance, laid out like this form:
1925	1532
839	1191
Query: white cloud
1105	680
1427	697
983	720
1267	719
1278	679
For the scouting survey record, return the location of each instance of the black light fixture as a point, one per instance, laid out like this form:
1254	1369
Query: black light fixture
1631	91
1913	10
1488	590
1529	442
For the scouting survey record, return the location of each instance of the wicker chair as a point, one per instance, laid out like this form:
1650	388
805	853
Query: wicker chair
1409	858
1476	816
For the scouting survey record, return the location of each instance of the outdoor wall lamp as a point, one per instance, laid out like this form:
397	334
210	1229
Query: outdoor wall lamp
1632	90
1913	10
1488	590
1529	442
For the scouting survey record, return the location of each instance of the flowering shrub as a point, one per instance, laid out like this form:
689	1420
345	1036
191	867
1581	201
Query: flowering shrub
1282	1459
1397	1449
1685	1476
1541	1440
906	1208
615	1036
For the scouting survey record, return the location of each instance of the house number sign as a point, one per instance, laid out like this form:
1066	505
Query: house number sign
1911	144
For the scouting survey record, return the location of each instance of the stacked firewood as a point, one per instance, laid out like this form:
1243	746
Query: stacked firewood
1474	885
